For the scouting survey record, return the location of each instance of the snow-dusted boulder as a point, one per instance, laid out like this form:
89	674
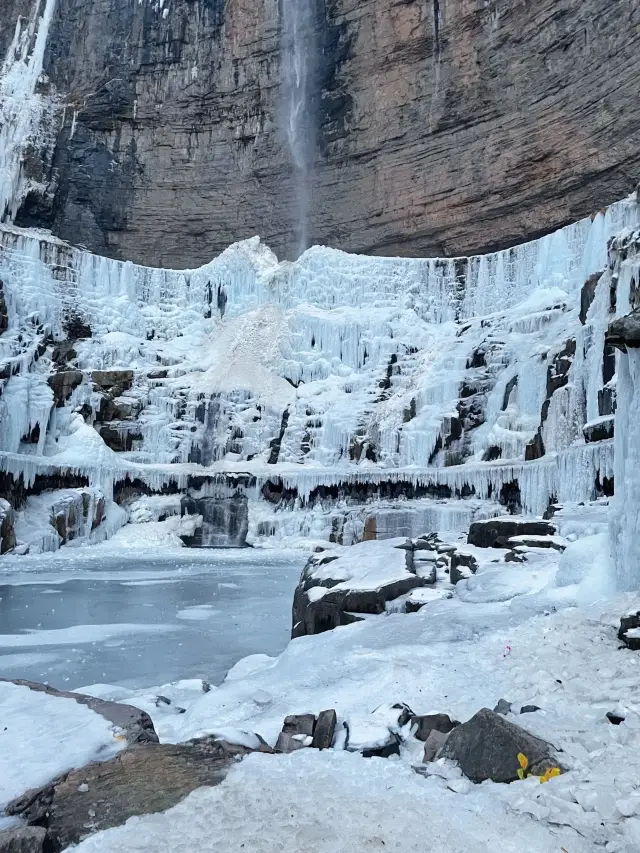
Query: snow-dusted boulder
488	745
359	579
144	779
496	532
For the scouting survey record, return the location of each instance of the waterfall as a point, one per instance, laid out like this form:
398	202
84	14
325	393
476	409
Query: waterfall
297	51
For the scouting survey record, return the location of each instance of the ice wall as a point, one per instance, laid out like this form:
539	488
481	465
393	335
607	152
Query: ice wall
460	376
24	108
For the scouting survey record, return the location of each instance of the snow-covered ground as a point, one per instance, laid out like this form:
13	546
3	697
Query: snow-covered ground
538	633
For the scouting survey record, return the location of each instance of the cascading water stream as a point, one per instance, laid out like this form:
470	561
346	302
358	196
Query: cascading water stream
297	50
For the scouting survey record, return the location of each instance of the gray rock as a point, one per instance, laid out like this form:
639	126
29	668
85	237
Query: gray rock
503	707
487	747
23	839
496	532
137	725
462	566
288	742
324	730
433	744
299	724
530	709
428	723
143	779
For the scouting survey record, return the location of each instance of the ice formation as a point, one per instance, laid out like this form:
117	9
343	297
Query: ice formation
314	394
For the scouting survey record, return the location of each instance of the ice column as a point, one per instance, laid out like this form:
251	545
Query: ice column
297	51
625	511
21	106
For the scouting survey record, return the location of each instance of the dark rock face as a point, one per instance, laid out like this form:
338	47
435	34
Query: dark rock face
599	431
63	384
143	779
628	623
136	724
432	722
587	295
487	747
166	165
496	532
324	730
625	331
7	533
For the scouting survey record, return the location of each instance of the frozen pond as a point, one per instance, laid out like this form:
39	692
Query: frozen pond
140	618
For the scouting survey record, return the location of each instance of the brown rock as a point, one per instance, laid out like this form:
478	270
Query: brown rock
63	383
143	779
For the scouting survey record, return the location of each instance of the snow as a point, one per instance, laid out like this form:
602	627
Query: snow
365	566
78	634
333	802
43	736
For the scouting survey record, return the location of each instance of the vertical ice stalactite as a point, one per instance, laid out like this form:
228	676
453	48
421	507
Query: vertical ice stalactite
624	524
21	106
298	67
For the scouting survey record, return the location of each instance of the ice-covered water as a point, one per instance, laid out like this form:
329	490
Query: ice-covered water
134	619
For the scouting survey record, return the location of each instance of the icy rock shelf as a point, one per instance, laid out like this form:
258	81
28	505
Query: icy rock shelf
329	382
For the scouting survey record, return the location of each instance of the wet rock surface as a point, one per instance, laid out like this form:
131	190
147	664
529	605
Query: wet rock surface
23	839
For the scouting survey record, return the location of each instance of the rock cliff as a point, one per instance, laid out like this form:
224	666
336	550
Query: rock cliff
441	127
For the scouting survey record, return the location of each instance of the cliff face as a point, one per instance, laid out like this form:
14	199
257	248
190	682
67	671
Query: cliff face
442	126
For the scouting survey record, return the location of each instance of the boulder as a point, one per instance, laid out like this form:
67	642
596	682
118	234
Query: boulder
422	726
529	709
488	745
23	839
625	331
324	730
144	779
136	725
338	585
496	532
